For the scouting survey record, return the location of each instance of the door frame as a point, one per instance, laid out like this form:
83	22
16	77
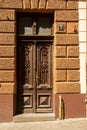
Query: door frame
34	37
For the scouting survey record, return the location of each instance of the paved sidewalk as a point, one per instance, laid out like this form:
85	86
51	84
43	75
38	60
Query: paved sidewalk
67	124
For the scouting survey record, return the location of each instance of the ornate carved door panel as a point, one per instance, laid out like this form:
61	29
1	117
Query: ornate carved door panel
44	78
26	83
34	77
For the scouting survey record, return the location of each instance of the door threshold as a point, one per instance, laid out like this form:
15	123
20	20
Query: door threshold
38	117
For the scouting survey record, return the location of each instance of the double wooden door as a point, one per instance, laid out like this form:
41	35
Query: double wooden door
34	77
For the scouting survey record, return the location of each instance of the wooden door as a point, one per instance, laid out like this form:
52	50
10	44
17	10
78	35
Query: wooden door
34	72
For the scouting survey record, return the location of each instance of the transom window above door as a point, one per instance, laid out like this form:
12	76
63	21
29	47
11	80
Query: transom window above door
35	24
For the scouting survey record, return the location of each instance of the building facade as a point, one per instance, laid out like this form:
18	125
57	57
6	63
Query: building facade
42	57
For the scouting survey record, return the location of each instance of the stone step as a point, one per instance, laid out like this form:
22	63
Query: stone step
34	117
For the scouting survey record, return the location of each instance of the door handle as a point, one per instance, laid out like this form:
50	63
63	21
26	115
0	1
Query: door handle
37	77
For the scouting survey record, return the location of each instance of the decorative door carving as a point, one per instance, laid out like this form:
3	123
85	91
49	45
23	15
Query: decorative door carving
34	77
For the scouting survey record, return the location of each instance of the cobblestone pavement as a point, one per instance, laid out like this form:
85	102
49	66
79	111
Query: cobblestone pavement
67	124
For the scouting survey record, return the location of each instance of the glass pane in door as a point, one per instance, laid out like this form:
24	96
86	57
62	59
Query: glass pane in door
43	27
25	25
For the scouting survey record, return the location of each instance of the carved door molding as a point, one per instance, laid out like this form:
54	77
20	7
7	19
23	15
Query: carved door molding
34	72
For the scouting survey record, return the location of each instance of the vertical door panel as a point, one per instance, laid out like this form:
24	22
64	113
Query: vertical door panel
44	65
44	81
26	82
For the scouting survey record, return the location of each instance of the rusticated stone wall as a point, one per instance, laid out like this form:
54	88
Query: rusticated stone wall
66	44
66	50
7	50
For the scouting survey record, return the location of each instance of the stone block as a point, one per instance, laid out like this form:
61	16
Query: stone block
6	14
7	64
72	4
6	51
82	25
6	76
72	27
11	4
82	36
81	12
82	47
60	51
6	26
67	63
56	4
82	4
7	39
34	4
73	51
60	75
64	39
6	88
66	15
26	4
67	87
57	27
39	117
73	75
42	4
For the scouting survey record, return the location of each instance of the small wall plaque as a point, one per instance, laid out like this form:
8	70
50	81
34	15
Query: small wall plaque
61	27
